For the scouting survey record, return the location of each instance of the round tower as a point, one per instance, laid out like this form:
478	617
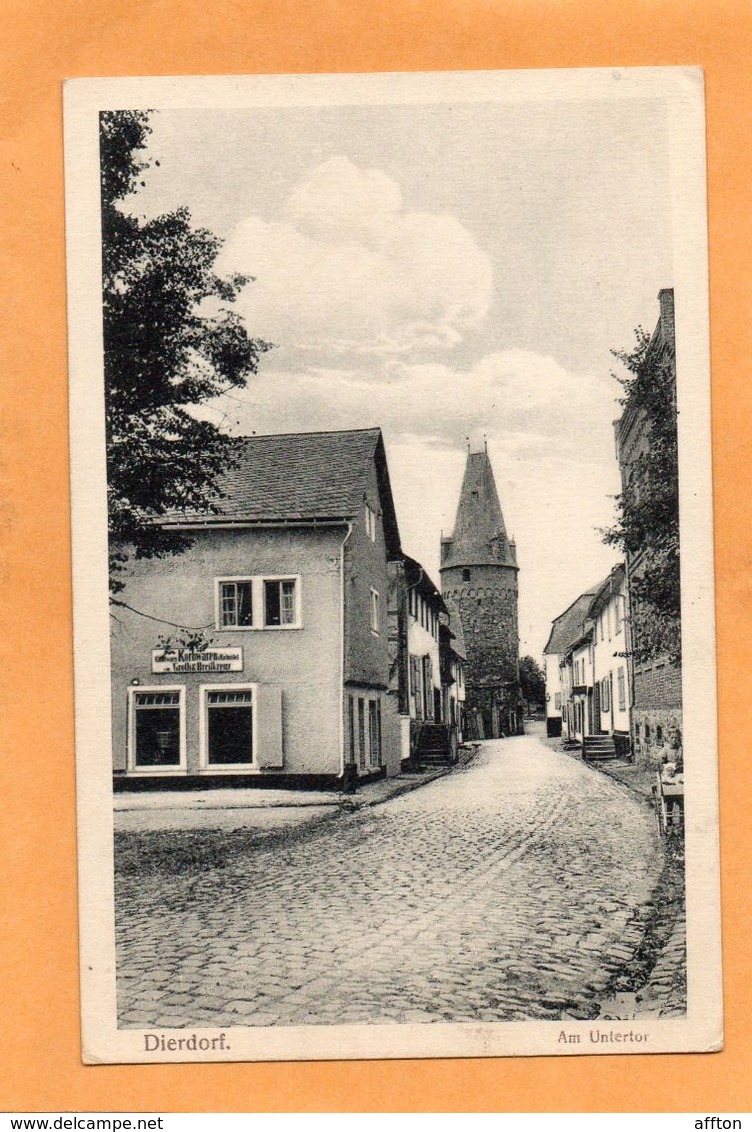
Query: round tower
479	573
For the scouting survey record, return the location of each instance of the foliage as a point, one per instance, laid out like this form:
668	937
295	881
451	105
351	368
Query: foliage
171	343
532	680
647	527
196	640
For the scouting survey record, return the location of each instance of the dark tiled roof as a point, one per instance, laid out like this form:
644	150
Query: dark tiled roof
300	477
315	475
416	575
569	626
479	536
611	586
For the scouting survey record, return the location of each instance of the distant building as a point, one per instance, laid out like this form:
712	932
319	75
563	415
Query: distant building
479	575
430	685
610	659
657	688
262	654
587	674
453	664
566	630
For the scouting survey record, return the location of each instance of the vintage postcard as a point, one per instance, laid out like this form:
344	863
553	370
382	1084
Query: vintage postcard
393	574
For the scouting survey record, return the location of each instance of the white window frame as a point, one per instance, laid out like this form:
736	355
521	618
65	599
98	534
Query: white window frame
375	612
218	583
133	768
295	579
258	602
370	522
205	767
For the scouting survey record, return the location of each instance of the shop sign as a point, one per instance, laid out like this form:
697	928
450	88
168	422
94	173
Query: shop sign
194	660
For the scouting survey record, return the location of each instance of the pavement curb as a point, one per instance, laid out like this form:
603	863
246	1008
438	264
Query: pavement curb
401	788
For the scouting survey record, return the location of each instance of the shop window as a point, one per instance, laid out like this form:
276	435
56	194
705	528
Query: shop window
157	724
228	726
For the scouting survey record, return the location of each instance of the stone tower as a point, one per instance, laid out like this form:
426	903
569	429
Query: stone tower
479	573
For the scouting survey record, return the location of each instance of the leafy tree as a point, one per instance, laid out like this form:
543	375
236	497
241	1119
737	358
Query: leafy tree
171	342
647	526
532	680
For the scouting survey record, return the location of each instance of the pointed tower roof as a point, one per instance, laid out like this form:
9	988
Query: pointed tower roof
480	537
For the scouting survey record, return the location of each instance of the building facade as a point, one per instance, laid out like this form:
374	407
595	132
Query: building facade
427	668
611	684
657	683
262	653
587	671
479	574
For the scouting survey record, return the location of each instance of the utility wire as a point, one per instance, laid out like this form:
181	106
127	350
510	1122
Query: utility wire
161	620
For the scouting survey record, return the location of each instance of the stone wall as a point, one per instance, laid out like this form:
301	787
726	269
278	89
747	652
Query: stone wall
657	712
487	606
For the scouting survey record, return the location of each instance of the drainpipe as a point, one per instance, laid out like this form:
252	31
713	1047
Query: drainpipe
348	769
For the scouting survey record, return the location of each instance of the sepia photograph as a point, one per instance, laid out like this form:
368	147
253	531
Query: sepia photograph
393	569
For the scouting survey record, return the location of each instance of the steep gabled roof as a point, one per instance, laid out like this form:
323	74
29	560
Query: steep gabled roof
418	578
479	537
569	627
300	477
612	585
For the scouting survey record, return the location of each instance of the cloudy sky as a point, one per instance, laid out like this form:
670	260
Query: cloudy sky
445	272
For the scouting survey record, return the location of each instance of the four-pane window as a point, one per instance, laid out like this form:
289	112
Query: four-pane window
236	605
258	603
279	602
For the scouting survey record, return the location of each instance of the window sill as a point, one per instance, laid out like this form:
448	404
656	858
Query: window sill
229	768
149	770
256	628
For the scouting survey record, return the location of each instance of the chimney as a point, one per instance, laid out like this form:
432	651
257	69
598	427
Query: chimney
666	300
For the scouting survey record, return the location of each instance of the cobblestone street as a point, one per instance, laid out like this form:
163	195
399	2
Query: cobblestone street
513	888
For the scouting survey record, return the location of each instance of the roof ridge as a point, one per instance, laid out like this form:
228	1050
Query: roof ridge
297	432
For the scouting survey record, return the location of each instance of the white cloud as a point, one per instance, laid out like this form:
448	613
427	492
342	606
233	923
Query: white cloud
549	436
347	269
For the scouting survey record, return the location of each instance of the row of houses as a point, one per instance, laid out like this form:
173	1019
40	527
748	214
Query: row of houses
587	674
294	642
603	692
